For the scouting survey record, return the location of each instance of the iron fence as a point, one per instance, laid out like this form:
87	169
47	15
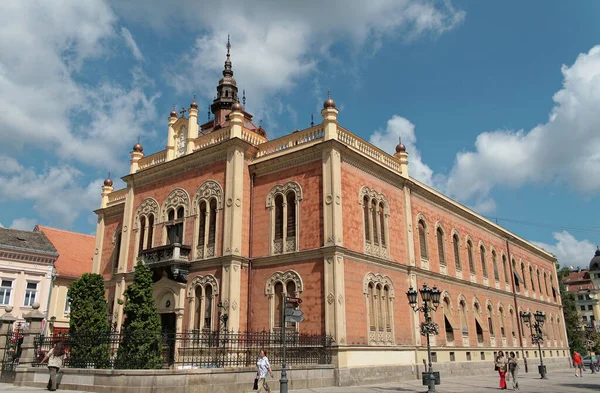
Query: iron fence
197	349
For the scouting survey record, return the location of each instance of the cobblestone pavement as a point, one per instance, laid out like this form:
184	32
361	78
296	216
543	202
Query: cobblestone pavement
559	381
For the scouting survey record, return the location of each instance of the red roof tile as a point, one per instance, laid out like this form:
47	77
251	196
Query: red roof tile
75	250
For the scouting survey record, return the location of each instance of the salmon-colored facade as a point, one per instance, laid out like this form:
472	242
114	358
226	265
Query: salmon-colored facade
230	222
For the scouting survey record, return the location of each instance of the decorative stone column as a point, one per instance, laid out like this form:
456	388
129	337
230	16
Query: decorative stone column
34	320
192	127
6	323
171	136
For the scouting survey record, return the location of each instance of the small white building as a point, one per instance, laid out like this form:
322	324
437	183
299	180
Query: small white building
26	268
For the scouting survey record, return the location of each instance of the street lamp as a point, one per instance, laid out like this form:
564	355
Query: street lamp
589	342
431	301
537	337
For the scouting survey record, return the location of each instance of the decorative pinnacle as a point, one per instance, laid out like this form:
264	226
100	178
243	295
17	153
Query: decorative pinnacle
312	120
244	97
228	45
182	111
328	94
208	112
400	140
138	139
260	124
108	175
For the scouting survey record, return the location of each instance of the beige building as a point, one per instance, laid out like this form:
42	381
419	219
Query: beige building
585	283
75	253
26	267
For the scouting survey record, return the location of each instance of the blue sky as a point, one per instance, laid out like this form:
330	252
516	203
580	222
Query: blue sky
496	102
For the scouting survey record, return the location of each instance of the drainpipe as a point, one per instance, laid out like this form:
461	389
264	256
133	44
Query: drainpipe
514	291
52	278
250	237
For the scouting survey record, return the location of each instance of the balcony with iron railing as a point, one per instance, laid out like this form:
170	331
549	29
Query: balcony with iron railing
174	258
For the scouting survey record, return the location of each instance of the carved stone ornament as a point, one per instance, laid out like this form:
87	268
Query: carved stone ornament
226	304
147	207
202	281
177	197
340	299
378	279
283	189
373	195
330	298
207	191
283	278
234	305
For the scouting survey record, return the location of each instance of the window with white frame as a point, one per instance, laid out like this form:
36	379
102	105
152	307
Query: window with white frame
145	220
495	265
30	293
423	249
376	212
207	203
5	292
280	284
283	202
202	293
379	293
67	305
483	261
470	256
456	248
440	244
174	213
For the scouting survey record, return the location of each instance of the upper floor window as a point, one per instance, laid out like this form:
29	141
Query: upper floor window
516	276
175	208
462	308
440	244
505	269
470	256
523	272
448	319
5	292
117	250
379	293
483	263
283	201
495	265
553	289
67	305
376	212
537	272
202	292
531	278
145	220
30	293
545	284
207	204
501	321
456	247
423	239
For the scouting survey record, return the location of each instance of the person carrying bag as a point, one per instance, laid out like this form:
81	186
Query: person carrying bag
56	359
263	367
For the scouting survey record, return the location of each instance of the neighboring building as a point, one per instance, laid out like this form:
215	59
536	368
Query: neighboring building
586	285
224	215
26	263
76	251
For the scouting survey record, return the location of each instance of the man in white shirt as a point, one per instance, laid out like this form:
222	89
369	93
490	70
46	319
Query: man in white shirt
263	366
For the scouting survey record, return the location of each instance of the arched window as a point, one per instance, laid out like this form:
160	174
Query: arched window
117	250
495	265
144	224
175	209
478	327
283	201
516	276
501	321
462	305
278	285
505	269
376	212
513	325
531	278
470	256
440	245
545	283
201	293
483	263
537	272
524	273
448	320
553	289
456	247
379	294
208	201
490	316
423	239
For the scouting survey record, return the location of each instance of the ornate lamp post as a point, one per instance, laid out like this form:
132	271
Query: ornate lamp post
431	301
537	337
589	342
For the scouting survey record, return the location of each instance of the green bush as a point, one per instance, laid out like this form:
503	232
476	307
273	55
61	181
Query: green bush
88	323
141	345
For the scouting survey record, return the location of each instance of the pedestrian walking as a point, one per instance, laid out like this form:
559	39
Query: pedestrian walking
578	364
56	359
263	367
513	369
501	365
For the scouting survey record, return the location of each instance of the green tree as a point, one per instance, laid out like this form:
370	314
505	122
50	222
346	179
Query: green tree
88	323
570	314
141	345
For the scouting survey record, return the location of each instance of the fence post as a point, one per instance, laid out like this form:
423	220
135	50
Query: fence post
6	322
34	320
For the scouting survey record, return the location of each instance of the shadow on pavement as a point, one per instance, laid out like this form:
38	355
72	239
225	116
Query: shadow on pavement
581	386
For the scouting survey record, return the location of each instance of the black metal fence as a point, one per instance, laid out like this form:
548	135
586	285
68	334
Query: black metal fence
203	349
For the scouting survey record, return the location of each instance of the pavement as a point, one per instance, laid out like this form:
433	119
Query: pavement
560	381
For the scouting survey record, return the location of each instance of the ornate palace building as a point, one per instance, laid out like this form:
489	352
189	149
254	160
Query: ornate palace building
225	216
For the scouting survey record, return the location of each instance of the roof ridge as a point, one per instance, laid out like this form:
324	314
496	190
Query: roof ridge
62	230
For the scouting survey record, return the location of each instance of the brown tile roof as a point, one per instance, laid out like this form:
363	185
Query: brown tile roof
75	250
576	276
25	240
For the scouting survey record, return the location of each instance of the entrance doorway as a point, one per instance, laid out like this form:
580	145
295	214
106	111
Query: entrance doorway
168	329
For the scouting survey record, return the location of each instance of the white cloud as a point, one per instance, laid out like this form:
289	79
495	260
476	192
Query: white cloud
274	44
569	251
131	44
565	150
44	49
23	223
55	192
